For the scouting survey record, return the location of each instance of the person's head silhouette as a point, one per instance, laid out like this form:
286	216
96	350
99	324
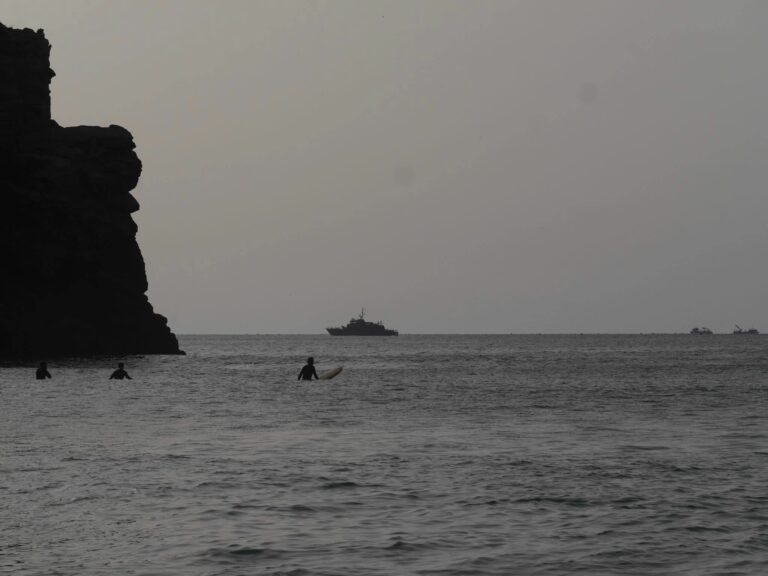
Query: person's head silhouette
120	365
310	360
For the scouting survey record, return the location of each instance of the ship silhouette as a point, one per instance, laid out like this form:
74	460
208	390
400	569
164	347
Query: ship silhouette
361	327
702	330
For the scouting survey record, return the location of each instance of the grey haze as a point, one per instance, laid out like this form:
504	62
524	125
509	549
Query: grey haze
529	166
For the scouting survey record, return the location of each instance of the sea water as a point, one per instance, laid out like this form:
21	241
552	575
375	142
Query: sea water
471	455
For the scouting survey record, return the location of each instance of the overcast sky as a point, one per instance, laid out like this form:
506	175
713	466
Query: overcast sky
477	166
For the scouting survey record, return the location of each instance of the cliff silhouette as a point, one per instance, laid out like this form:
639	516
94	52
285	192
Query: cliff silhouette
73	277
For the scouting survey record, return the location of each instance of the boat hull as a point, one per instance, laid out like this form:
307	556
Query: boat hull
347	332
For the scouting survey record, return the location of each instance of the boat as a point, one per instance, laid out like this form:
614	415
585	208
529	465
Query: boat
702	330
361	327
738	330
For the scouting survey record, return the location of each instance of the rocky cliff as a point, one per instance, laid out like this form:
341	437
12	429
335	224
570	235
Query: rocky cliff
72	278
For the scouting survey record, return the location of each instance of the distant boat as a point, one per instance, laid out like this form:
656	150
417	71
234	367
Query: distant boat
738	330
361	327
702	330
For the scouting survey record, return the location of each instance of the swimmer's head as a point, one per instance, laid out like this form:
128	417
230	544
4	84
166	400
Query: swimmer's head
310	360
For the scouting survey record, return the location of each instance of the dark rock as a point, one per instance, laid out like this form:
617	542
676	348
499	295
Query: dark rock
73	278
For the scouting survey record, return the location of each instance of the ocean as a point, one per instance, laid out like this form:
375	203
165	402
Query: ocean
429	455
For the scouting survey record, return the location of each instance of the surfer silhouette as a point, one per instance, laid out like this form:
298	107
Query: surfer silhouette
42	371
120	373
309	370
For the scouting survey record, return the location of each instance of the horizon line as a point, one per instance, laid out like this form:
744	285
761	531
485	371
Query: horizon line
182	334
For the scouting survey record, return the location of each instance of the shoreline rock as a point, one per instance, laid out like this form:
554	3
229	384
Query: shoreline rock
74	281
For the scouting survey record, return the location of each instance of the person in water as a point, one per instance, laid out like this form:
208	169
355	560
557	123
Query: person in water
42	371
120	373
309	370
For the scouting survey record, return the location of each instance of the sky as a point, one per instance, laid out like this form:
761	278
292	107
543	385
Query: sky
530	166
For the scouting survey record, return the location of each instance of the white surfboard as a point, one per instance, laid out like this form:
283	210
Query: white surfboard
332	373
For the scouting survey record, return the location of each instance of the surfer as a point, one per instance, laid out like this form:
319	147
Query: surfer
309	370
42	371
120	373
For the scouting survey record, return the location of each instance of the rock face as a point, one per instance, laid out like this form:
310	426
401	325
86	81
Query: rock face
72	278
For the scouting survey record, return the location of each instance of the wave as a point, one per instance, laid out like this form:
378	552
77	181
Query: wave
641	448
579	502
236	552
340	484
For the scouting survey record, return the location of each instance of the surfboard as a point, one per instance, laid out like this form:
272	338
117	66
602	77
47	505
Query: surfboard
332	373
